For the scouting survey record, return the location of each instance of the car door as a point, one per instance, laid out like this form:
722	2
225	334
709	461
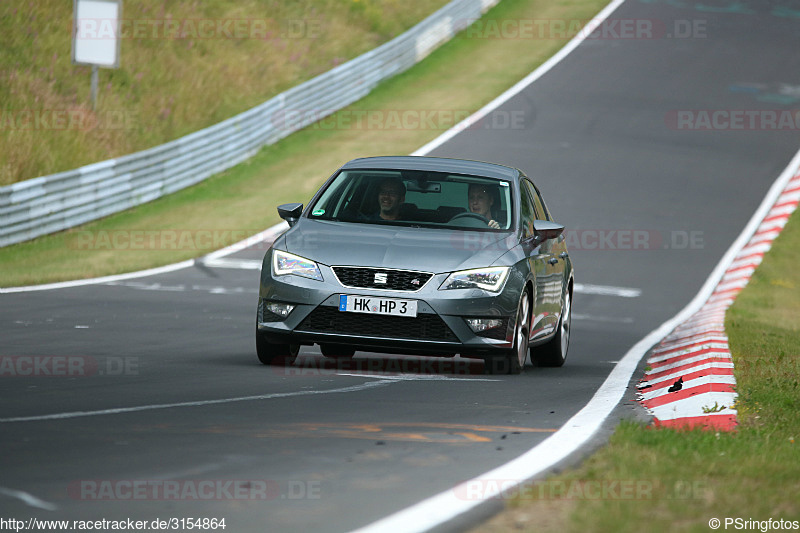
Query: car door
558	250
553	264
537	261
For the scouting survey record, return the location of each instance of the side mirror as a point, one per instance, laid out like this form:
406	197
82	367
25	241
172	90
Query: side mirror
544	230
290	212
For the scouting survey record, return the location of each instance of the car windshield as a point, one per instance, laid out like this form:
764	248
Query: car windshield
416	198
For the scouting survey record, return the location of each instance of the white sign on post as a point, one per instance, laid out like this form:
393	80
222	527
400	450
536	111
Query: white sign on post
96	28
95	36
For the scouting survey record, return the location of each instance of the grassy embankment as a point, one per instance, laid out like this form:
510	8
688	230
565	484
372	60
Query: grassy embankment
183	66
459	78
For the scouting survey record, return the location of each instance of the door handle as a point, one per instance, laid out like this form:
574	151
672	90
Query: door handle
553	260
563	255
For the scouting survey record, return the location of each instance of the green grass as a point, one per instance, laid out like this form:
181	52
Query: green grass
462	76
170	81
752	473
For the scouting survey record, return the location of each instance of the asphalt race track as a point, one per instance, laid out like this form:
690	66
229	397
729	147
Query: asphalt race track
167	395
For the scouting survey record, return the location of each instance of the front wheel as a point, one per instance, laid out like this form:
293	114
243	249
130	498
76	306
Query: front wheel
554	353
514	362
275	354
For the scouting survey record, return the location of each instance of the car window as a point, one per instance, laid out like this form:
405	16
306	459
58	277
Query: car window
538	204
541	207
527	211
409	197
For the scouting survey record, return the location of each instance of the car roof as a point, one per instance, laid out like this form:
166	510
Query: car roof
435	164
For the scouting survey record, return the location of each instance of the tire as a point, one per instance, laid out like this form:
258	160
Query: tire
337	351
514	361
554	352
275	354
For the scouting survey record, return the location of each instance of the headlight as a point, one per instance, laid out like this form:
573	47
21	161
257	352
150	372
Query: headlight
284	263
489	279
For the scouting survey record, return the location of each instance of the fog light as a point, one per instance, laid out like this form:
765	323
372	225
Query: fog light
280	309
482	324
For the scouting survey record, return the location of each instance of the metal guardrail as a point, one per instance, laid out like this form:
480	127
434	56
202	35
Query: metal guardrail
56	202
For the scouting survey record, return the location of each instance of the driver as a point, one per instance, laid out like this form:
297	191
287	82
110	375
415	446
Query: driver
391	195
480	201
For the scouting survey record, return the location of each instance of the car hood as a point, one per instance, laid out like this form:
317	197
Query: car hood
425	249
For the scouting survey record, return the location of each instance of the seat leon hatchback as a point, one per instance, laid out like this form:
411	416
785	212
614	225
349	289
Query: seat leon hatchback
419	255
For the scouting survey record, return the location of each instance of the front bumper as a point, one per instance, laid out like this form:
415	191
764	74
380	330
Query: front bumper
439	328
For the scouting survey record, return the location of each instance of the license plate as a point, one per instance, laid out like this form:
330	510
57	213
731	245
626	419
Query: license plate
377	306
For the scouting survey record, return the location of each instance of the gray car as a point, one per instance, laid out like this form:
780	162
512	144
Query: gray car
419	255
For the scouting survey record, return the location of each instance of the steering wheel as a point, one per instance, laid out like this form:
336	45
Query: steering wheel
471	217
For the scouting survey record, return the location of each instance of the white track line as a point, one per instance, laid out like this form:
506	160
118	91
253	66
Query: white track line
212	259
104	279
243	264
138	408
607	290
28	499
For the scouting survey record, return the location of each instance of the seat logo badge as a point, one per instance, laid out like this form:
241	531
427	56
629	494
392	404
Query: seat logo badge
381	278
415	282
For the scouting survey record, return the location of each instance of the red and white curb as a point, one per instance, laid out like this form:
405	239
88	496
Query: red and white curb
689	380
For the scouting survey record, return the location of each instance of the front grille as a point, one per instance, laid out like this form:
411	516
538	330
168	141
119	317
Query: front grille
396	280
425	327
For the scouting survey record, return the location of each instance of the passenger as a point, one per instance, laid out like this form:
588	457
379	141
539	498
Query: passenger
481	202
